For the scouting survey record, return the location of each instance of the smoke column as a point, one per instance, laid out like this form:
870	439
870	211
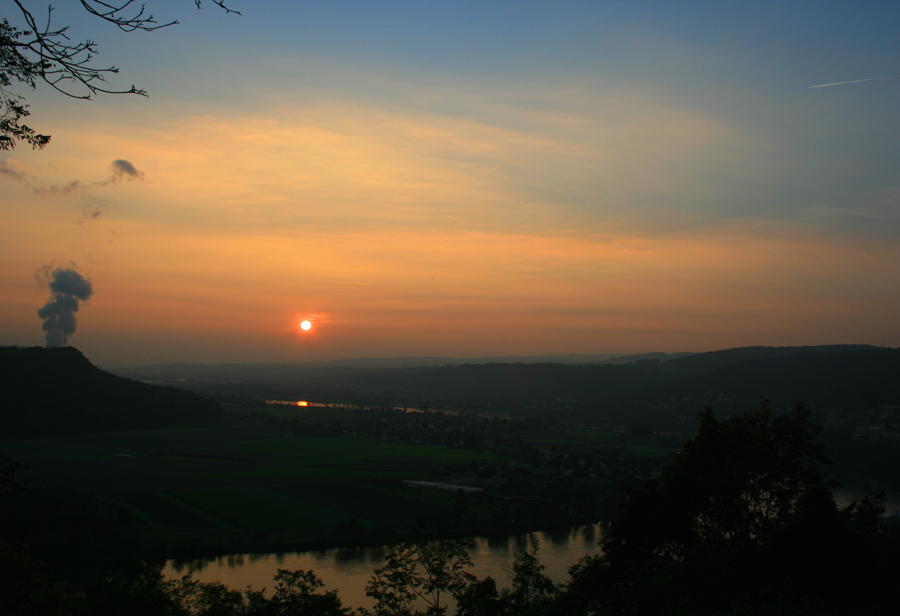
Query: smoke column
68	288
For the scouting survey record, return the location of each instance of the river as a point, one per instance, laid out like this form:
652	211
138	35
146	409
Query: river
349	569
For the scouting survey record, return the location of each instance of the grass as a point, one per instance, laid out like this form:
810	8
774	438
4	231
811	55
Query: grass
642	451
166	512
258	508
134	511
215	486
251	481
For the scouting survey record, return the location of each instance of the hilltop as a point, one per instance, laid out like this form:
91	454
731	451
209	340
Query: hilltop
58	390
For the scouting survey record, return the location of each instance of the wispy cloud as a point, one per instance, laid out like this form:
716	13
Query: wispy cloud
93	209
31	177
66	189
12	168
36	179
342	165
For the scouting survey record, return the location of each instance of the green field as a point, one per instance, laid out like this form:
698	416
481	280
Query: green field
215	485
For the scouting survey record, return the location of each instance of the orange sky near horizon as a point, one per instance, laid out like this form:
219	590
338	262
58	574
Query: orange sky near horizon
401	292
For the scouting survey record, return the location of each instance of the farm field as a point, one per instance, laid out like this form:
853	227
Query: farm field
217	485
587	439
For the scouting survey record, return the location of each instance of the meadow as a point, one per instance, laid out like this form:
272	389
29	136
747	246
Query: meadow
259	480
212	485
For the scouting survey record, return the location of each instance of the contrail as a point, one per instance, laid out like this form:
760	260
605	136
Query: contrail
840	83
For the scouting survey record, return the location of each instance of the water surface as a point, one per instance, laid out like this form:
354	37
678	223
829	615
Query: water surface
349	569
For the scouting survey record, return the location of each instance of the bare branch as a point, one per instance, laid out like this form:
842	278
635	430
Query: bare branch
44	51
114	15
218	3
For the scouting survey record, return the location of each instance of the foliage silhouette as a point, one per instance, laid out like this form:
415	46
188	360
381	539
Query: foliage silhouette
139	588
532	591
424	573
740	522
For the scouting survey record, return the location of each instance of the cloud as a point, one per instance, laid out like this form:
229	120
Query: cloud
350	165
123	169
66	189
41	181
93	209
12	168
21	172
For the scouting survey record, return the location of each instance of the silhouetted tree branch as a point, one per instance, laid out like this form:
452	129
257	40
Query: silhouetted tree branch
43	51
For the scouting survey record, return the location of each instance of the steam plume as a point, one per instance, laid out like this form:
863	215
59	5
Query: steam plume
68	288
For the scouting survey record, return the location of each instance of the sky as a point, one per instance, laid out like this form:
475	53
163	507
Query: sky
466	179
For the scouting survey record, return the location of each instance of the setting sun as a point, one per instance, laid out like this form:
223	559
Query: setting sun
305	325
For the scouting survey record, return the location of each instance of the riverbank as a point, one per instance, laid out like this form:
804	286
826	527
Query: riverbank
189	552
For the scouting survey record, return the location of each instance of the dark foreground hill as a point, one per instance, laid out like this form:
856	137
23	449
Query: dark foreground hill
58	390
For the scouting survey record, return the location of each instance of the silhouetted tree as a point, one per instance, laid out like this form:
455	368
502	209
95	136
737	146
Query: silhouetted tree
532	591
481	598
731	486
138	587
421	572
40	50
740	522
296	594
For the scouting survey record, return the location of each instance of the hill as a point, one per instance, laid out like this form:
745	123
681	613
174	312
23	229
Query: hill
853	377
848	379
705	362
58	390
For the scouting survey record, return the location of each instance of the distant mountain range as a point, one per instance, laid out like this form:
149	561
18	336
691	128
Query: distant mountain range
698	361
849	376
195	369
59	390
729	357
840	377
